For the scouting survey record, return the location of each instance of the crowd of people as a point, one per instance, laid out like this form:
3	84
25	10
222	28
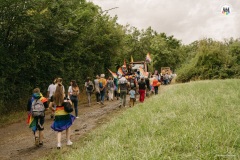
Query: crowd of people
111	88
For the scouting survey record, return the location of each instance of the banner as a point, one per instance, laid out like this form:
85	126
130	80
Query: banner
148	58
113	74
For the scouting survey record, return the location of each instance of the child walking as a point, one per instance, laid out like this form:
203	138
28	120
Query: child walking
132	96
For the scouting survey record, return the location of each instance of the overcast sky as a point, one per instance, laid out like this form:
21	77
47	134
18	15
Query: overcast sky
186	20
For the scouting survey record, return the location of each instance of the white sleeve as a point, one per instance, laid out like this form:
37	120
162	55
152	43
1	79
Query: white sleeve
48	88
70	89
63	89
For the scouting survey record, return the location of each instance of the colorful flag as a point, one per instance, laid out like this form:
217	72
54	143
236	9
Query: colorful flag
120	72
131	59
148	58
143	73
124	63
113	74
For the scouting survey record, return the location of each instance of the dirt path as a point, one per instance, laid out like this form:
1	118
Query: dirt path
17	140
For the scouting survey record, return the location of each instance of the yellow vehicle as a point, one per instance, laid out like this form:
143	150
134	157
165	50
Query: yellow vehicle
166	70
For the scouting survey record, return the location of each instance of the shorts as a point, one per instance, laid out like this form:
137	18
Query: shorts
40	122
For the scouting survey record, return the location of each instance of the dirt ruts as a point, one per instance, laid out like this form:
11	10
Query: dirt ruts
17	140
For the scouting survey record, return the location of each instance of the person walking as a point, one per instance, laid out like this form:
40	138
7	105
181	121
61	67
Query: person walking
36	107
50	91
89	89
142	89
97	90
73	92
63	120
110	88
116	92
132	93
102	86
123	85
155	84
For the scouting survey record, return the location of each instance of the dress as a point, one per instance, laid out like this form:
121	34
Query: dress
63	120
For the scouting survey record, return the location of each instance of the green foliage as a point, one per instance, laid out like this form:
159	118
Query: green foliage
166	51
72	39
208	59
42	40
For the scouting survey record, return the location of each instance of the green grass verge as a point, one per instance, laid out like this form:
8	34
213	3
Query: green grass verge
197	120
12	118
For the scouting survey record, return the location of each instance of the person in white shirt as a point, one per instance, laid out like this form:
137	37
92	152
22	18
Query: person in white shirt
51	89
50	92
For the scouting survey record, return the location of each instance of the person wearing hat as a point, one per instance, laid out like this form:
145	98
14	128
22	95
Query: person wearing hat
102	87
142	89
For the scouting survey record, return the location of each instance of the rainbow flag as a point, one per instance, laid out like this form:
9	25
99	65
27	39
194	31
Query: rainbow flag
143	73
124	63
131	59
148	58
120	72
113	74
63	120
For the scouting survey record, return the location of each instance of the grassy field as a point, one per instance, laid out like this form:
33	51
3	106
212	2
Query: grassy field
197	120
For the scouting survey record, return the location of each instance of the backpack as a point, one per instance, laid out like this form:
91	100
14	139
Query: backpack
74	91
37	108
90	86
100	85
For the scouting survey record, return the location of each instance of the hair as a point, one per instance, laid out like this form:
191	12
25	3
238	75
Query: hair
110	78
59	80
54	80
58	97
74	83
36	90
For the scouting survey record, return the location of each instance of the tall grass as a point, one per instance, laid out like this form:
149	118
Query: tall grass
198	120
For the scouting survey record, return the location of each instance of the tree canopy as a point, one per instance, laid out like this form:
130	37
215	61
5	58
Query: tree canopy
75	39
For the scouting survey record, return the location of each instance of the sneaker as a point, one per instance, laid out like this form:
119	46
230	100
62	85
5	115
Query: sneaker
59	146
69	143
77	117
36	141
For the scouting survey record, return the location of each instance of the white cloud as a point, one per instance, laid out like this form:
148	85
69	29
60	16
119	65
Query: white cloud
187	20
